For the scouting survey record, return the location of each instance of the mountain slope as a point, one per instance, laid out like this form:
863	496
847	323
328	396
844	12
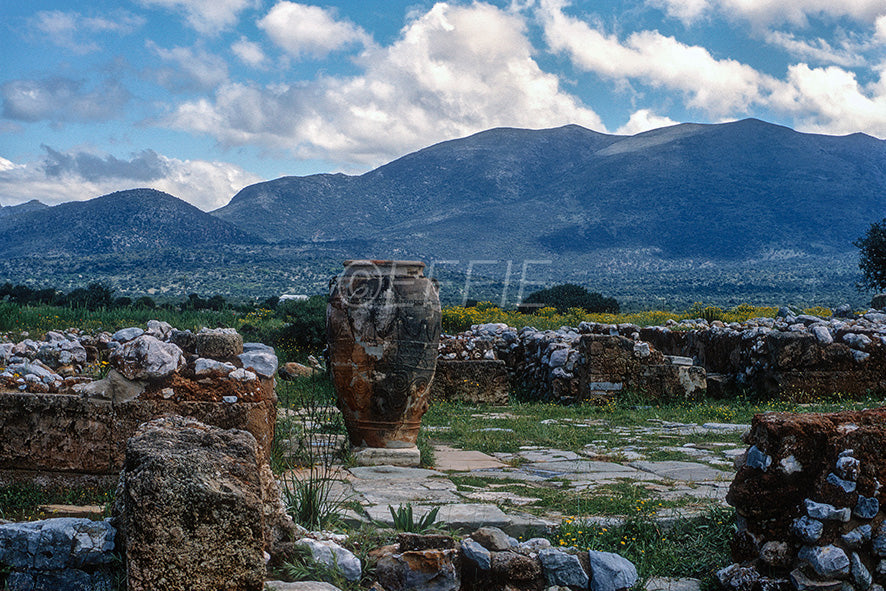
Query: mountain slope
726	191
12	210
133	220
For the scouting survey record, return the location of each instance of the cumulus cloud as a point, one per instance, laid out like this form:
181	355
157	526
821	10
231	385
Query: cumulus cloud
76	32
716	86
880	29
454	70
822	99
766	13
817	50
60	99
250	53
206	16
192	68
301	30
644	120
831	100
78	175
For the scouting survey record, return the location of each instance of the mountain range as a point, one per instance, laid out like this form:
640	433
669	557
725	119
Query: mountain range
726	191
667	204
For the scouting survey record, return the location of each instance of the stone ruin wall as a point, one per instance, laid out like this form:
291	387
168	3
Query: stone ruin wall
808	500
61	426
796	357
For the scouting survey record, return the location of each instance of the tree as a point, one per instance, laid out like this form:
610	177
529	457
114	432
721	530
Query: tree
93	297
872	257
568	295
145	302
305	330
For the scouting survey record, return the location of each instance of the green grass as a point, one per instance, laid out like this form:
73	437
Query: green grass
619	499
695	547
571	428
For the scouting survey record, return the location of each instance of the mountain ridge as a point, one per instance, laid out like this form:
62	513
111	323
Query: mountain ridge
130	220
761	184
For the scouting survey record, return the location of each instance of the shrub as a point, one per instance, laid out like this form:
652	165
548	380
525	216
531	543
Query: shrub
566	296
305	329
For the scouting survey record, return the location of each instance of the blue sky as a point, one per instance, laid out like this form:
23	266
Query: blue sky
203	97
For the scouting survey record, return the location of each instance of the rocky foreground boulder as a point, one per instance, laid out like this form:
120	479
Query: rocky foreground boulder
192	508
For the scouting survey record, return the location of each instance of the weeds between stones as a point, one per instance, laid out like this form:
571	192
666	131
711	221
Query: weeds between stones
405	521
308	444
695	547
303	567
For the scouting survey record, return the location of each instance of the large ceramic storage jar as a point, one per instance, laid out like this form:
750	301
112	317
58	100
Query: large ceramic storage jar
383	329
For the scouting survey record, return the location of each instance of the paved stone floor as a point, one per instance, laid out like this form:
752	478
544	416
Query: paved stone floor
698	480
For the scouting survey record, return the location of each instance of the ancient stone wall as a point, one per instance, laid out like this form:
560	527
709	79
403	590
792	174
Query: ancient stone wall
68	437
483	381
808	500
790	356
570	365
56	429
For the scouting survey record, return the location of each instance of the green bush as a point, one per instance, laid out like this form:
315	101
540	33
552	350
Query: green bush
567	296
872	257
305	329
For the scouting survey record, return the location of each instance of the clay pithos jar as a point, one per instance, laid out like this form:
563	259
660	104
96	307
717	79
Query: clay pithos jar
383	328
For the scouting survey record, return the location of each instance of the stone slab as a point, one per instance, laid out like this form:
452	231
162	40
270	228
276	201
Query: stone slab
302	586
391	473
668	584
578	467
737	427
468	517
548	455
399	492
509	474
686	471
379	456
459	460
95	512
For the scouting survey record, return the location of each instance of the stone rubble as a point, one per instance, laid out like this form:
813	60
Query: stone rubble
154	361
786	355
60	553
818	524
571	364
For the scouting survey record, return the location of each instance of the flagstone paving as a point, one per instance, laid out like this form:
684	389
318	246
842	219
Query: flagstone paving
699	479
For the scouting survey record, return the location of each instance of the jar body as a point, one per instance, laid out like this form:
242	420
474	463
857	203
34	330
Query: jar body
383	330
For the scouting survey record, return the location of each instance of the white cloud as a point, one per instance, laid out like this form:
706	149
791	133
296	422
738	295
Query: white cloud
880	29
821	99
644	120
250	53
76	32
6	164
60	99
206	16
817	50
454	71
193	68
80	175
687	11
831	100
767	13
310	30
718	87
